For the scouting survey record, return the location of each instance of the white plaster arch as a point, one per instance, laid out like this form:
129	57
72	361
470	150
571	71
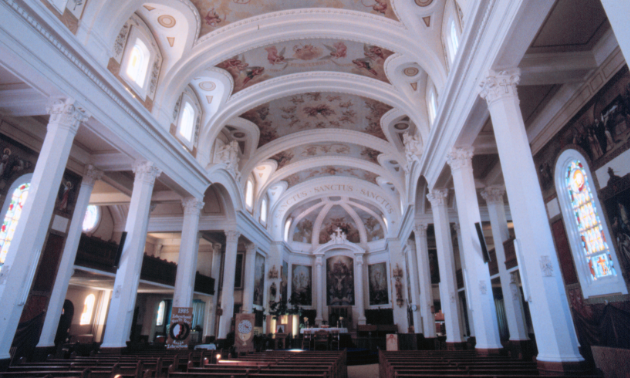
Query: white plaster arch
332	246
230	190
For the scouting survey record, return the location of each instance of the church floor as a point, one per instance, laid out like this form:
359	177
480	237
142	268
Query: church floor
363	371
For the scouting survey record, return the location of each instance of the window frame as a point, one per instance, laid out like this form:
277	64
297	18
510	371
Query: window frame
604	285
188	143
136	33
99	216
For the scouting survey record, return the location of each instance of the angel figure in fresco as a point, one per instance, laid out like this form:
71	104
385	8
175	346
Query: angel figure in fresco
380	6
252	73
212	18
365	64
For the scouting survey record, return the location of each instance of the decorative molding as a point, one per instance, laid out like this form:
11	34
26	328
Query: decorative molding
319	261
493	195
273	273
192	205
91	175
420	229
232	236
146	171
460	158
498	85
358	259
413	149
438	197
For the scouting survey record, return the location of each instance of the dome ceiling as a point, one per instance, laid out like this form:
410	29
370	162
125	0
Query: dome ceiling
330	170
293	155
317	110
219	13
268	62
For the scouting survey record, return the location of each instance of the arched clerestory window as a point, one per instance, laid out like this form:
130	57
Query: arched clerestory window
431	103
452	40
12	211
593	252
249	194
264	208
88	310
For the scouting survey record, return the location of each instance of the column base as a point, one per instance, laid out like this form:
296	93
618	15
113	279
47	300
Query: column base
562	368
489	351
520	349
114	351
461	345
41	353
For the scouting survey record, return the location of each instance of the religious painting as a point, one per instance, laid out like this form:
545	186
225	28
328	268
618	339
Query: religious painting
434	267
337	217
66	196
600	130
340	281
259	279
301	279
15	161
377	274
284	280
616	200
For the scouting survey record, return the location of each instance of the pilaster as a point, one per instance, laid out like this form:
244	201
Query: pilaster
188	253
227	295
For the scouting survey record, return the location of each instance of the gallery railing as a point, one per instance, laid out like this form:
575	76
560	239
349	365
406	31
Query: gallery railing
99	254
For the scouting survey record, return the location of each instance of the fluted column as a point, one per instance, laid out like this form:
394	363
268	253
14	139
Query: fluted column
215	273
448	280
424	276
248	292
617	12
319	277
227	295
358	284
22	258
462	260
500	233
480	293
188	253
120	315
555	334
58	295
410	255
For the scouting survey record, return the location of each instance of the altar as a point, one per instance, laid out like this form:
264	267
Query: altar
329	330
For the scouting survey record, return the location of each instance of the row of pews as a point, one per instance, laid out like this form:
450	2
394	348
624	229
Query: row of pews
281	364
453	364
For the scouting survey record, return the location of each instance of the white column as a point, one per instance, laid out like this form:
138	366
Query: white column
319	278
227	295
500	233
410	255
462	260
215	273
58	295
123	302
397	262
248	292
617	12
358	285
424	275
480	291
188	252
16	275
448	281
549	308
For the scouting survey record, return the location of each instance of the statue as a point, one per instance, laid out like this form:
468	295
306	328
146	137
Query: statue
338	236
413	148
273	273
228	155
272	293
398	275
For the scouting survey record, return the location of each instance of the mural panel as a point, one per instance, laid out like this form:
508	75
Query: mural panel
317	110
373	228
218	13
378	284
340	281
301	282
259	279
329	170
337	217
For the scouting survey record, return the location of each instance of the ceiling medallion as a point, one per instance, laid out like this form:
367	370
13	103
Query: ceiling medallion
411	71
401	126
423	3
207	85
167	21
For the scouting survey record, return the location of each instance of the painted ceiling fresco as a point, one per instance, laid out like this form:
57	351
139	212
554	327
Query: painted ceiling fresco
317	110
304	229
375	209
291	57
328	171
338	217
218	13
373	227
325	149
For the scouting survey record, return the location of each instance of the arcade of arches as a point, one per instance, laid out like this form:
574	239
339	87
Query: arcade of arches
458	169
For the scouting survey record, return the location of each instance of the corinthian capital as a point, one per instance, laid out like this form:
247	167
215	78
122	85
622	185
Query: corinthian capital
232	236
66	113
493	195
500	84
421	228
192	205
146	171
91	176
459	158
438	197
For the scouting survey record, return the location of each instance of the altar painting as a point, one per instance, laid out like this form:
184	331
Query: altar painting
340	281
259	279
301	279
378	284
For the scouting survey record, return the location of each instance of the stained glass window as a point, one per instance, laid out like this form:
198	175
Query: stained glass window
187	122
88	309
160	314
11	219
92	215
593	240
138	62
